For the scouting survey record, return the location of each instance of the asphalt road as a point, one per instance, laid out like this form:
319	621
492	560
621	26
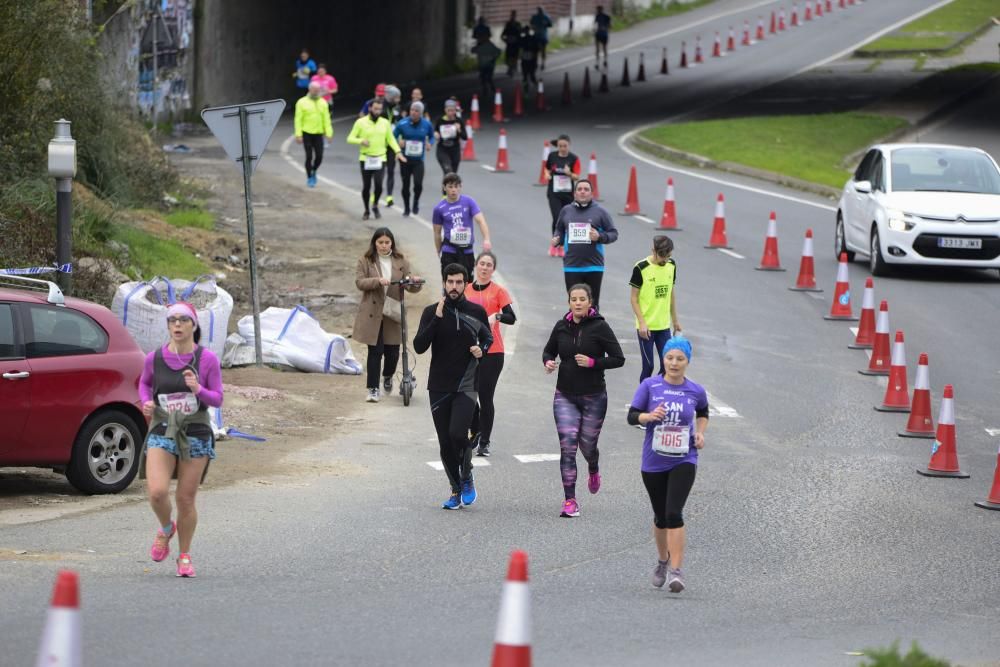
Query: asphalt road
810	535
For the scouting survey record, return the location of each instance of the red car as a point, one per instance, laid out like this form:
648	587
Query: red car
69	387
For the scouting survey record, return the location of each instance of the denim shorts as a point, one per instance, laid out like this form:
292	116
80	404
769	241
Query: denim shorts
200	447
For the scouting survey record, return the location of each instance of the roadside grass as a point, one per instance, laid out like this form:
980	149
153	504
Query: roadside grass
891	657
154	256
191	217
925	33
811	147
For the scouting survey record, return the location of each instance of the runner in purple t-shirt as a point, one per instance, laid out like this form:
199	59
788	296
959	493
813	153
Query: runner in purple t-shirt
454	238
674	411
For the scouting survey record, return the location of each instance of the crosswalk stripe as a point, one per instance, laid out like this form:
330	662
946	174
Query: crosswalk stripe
479	463
536	458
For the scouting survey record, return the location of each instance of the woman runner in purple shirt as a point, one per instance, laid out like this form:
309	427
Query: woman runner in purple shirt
674	411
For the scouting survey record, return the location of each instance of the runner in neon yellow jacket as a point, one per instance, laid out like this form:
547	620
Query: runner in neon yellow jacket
312	127
373	133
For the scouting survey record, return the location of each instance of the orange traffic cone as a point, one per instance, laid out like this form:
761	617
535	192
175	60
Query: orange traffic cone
603	86
897	394
770	261
866	328
664	65
669	218
512	643
698	59
502	165
881	357
718	237
585	92
992	501
781	19
773	24
746	33
592	176
841	4
567	94
543	177
920	424
518	102
795	14
806	282
469	152
540	97
808	16
841	307
684	55
819	8
641	74
498	116
731	41
944	455
829	6
474	113
61	639
632	200
717	46
625	82
760	28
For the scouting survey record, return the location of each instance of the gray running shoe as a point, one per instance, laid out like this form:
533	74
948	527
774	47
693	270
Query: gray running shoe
660	573
387	384
676	583
372	396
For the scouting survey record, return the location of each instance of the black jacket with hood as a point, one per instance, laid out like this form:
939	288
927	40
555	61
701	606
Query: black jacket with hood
464	324
593	337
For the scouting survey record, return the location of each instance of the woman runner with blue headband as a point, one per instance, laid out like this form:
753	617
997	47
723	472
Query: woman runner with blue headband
675	413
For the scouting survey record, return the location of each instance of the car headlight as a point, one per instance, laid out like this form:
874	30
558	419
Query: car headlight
898	221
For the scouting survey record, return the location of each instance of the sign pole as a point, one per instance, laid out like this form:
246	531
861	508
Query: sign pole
247	173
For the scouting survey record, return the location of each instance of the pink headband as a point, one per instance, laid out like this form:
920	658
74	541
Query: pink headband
183	309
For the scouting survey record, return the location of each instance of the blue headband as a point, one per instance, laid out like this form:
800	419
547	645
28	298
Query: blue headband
678	343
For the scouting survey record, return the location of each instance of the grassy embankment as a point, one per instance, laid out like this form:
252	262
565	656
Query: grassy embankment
944	30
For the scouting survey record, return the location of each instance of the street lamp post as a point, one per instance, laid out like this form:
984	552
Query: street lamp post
62	167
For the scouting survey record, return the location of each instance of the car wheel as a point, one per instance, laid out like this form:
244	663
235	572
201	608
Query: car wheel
840	240
877	264
106	453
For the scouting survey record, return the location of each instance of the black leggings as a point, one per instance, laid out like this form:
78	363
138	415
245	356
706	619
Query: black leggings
592	278
375	355
390	171
452	414
368	177
414	169
556	204
668	491
449	158
490	367
313	143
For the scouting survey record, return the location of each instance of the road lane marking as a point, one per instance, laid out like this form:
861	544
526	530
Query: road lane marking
536	458
717	408
479	463
644	219
726	251
993	432
488	167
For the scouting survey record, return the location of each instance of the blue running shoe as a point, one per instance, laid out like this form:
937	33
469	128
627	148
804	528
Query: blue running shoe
469	494
453	503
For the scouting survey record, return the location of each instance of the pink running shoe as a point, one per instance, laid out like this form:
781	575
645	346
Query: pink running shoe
185	568
552	251
594	482
560	251
570	508
161	543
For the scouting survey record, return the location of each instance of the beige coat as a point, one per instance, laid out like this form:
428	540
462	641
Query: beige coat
369	317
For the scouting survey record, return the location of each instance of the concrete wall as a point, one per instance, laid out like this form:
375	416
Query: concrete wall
246	49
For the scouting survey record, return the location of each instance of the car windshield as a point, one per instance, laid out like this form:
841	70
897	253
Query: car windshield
943	170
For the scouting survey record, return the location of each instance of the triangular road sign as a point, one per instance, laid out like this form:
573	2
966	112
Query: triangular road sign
262	117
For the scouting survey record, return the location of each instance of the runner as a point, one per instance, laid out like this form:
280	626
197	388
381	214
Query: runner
416	95
328	84
481	31
305	67
511	35
583	229
496	302
377	322
454	238
417	135
179	382
529	45
540	24
677	410
486	59
602	26
312	127
582	346
450	132
390	95
373	134
563	170
458	335
654	302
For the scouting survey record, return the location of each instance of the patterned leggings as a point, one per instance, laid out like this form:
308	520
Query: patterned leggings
578	422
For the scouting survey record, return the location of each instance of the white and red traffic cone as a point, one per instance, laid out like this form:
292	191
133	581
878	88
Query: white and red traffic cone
841	309
770	261
502	164
540	97
717	46
718	237
543	177
474	121
698	58
746	33
760	29
669	218
632	198
944	452
781	20
881	355
731	40
592	176
795	15
806	282
61	640
866	327
512	643
498	116
469	150
992	501
808	14
897	393
819	9
920	424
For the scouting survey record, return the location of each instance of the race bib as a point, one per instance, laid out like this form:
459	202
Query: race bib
373	163
461	236
449	131
579	232
413	148
562	183
671	440
184	402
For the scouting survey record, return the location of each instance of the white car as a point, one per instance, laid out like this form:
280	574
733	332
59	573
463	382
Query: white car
922	204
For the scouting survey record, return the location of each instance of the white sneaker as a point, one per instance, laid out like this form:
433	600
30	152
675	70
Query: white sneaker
372	396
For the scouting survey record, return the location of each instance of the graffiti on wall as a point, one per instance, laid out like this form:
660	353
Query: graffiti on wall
164	52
